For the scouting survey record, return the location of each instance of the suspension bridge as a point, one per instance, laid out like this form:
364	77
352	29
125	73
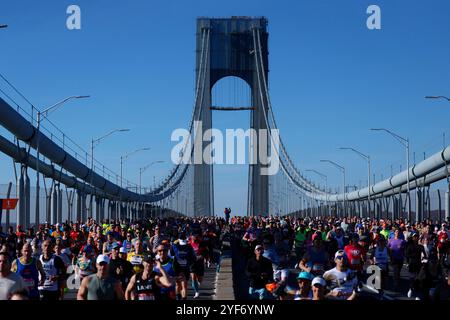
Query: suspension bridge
238	47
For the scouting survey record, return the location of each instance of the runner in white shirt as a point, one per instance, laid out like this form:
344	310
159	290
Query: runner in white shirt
342	281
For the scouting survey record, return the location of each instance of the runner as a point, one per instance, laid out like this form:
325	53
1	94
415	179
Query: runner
342	280
120	268
10	282
29	269
85	265
184	258
198	267
304	283
318	288
54	273
396	247
379	256
136	256
147	284
100	286
260	272
167	293
316	257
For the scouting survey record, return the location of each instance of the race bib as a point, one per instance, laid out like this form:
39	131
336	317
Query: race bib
146	297
29	283
136	260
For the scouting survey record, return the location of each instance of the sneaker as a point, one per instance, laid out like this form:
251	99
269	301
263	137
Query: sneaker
410	293
196	295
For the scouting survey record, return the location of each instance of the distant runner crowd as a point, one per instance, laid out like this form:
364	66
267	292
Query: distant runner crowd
147	260
286	258
333	259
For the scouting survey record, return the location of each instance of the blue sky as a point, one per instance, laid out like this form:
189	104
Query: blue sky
331	79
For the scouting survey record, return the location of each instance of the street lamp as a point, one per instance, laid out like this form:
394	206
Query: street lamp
141	171
405	143
343	172
326	184
124	158
437	97
96	142
366	157
40	115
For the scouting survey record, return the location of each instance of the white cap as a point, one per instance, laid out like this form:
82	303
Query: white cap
122	250
102	258
318	280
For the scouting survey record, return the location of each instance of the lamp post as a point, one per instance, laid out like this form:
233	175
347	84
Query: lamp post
367	158
40	116
124	158
326	182
141	171
437	97
96	142
343	172
405	143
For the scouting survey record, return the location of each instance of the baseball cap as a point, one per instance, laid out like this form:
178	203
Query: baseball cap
259	247
340	253
122	250
102	258
305	276
115	245
318	280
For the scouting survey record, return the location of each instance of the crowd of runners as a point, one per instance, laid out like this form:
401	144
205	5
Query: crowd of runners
157	259
152	259
334	258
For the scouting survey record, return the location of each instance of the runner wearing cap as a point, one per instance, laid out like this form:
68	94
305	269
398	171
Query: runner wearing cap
119	268
318	286
147	284
260	272
342	280
100	286
304	283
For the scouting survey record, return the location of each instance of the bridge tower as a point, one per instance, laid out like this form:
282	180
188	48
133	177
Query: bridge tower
231	53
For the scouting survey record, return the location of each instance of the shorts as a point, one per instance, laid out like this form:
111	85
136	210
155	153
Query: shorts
198	268
183	271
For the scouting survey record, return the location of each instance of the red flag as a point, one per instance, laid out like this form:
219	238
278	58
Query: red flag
9	204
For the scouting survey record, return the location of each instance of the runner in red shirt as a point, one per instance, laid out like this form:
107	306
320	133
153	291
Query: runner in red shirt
356	255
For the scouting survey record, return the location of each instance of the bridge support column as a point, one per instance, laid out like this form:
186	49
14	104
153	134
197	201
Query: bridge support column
83	207
21	196
60	203
419	205
27	200
447	204
54	208
79	199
